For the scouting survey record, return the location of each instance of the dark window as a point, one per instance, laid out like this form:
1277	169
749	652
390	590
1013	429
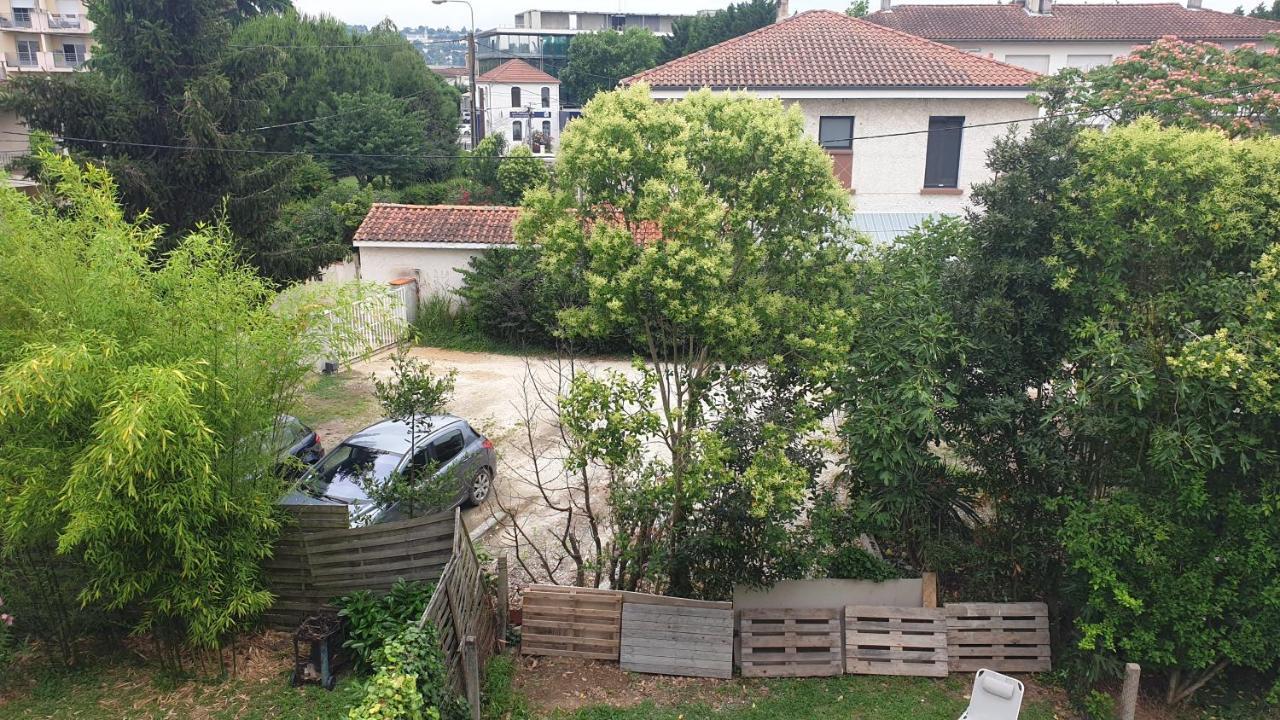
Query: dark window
942	157
546	130
481	103
517	131
835	132
546	97
515	97
446	448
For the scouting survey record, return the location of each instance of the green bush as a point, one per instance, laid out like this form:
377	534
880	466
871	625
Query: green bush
372	620
411	682
505	293
1098	705
454	191
441	322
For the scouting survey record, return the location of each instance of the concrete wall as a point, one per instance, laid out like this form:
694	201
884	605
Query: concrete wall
9	122
888	173
830	593
435	268
1053	56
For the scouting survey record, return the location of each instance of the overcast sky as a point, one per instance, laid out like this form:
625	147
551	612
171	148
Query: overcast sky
491	13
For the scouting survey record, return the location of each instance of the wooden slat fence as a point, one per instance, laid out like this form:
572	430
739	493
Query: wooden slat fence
895	641
319	558
463	608
571	622
675	636
791	643
1005	637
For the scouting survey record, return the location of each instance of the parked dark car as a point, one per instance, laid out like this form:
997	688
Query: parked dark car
295	445
449	450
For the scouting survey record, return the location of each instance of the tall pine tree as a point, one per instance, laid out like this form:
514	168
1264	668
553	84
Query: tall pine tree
179	107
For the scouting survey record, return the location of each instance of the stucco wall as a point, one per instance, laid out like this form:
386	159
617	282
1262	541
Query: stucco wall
1060	53
435	268
9	122
888	173
497	110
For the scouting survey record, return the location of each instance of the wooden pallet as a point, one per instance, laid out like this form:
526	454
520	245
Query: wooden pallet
791	643
895	641
1005	637
692	638
571	622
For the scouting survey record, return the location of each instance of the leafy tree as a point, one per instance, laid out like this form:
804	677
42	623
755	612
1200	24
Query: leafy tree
414	395
1261	11
316	231
1176	546
133	398
162	84
1187	84
858	9
372	136
325	59
521	172
598	60
700	31
904	373
702	231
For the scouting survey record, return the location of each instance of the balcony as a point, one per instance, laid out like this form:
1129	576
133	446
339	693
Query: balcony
16	22
67	23
68	60
23	60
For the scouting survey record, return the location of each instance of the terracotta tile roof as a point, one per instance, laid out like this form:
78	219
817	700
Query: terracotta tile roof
482	224
517	71
821	48
451	71
1137	22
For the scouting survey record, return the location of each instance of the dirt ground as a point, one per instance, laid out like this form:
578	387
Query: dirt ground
491	394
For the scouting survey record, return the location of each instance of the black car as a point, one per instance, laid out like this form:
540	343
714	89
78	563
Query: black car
296	446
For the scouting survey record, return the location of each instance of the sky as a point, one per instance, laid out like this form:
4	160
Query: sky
492	13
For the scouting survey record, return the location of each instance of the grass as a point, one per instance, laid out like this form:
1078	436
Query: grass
439	324
340	396
136	693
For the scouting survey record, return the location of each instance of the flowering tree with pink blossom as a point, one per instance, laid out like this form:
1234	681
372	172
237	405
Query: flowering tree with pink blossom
1185	84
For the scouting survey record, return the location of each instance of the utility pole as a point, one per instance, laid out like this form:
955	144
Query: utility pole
471	65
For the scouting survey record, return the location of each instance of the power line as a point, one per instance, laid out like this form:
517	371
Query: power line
347	46
1083	112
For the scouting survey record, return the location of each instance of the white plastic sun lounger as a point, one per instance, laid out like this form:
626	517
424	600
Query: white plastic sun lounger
994	697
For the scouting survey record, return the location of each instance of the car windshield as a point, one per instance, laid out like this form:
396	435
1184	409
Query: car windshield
343	473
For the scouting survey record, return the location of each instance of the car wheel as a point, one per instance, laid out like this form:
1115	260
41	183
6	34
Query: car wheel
481	486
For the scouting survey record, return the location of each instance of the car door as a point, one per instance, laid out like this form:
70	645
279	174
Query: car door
448	452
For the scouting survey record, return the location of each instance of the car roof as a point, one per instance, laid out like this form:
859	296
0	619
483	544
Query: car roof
394	436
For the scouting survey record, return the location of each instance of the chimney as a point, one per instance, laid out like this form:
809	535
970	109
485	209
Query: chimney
1193	4
886	5
783	12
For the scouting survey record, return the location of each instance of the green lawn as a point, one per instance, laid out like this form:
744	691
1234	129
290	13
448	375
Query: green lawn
140	697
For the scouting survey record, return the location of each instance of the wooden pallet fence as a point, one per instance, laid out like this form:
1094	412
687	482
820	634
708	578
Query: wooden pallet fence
791	643
318	558
676	636
461	607
895	641
1005	637
571	622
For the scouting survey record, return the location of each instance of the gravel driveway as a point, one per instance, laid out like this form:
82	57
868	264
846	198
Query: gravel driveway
489	394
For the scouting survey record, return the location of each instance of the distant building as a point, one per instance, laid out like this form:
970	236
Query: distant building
1045	36
541	38
907	122
38	36
521	103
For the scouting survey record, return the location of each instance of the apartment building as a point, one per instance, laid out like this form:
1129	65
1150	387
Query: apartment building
38	36
541	37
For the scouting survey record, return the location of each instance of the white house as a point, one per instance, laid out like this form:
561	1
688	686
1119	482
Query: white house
907	121
1046	36
429	243
522	103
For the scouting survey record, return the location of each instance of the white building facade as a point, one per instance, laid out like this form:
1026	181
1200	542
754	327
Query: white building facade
907	122
38	36
521	103
1045	36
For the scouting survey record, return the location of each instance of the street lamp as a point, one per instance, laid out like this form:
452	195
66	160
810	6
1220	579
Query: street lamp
471	51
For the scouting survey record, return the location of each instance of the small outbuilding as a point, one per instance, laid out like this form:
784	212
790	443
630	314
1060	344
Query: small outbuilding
429	243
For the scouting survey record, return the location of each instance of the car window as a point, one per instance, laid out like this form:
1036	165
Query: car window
342	472
446	448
